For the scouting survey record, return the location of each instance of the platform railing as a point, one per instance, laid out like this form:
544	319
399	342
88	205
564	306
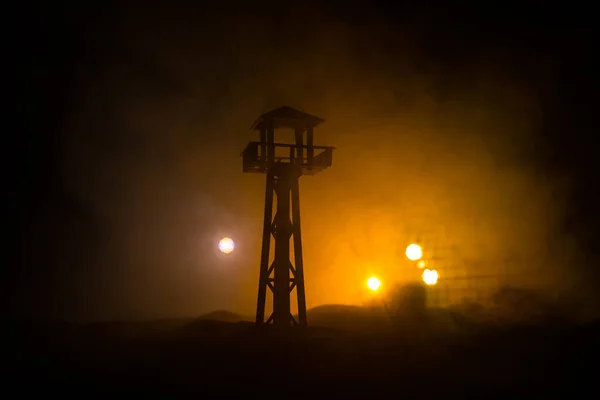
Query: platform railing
255	157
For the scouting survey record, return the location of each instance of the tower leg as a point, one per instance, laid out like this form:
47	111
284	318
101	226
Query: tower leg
282	265
298	261
263	279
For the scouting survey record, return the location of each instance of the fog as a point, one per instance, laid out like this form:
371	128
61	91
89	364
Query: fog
434	150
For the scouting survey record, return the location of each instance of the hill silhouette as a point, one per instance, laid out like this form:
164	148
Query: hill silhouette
224	316
346	350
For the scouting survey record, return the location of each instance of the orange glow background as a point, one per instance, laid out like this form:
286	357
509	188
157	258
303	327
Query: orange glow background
152	146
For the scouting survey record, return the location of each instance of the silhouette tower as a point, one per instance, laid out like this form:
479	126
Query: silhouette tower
283	164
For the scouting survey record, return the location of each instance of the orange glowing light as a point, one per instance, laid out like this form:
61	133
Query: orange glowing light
373	283
430	276
414	252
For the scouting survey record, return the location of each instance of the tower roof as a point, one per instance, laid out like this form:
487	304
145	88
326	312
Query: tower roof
286	117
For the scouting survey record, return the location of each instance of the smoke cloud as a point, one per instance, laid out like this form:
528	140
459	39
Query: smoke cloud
445	154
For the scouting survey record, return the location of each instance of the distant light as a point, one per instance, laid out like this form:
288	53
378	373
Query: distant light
422	264
226	245
373	283
414	252
430	276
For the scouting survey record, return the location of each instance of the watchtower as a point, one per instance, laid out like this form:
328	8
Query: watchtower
283	164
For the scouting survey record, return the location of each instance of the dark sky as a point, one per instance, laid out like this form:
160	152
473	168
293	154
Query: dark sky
468	128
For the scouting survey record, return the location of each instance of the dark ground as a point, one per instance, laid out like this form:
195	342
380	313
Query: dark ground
207	357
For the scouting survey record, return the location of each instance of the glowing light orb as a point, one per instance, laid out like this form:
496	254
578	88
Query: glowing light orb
422	264
226	245
373	283
414	252
430	276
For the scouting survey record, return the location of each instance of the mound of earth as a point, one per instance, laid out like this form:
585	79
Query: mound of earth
223	316
345	316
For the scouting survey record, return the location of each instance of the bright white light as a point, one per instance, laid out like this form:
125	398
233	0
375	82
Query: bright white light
226	245
430	276
414	252
373	283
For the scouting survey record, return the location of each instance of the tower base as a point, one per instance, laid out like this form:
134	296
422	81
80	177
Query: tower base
281	276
